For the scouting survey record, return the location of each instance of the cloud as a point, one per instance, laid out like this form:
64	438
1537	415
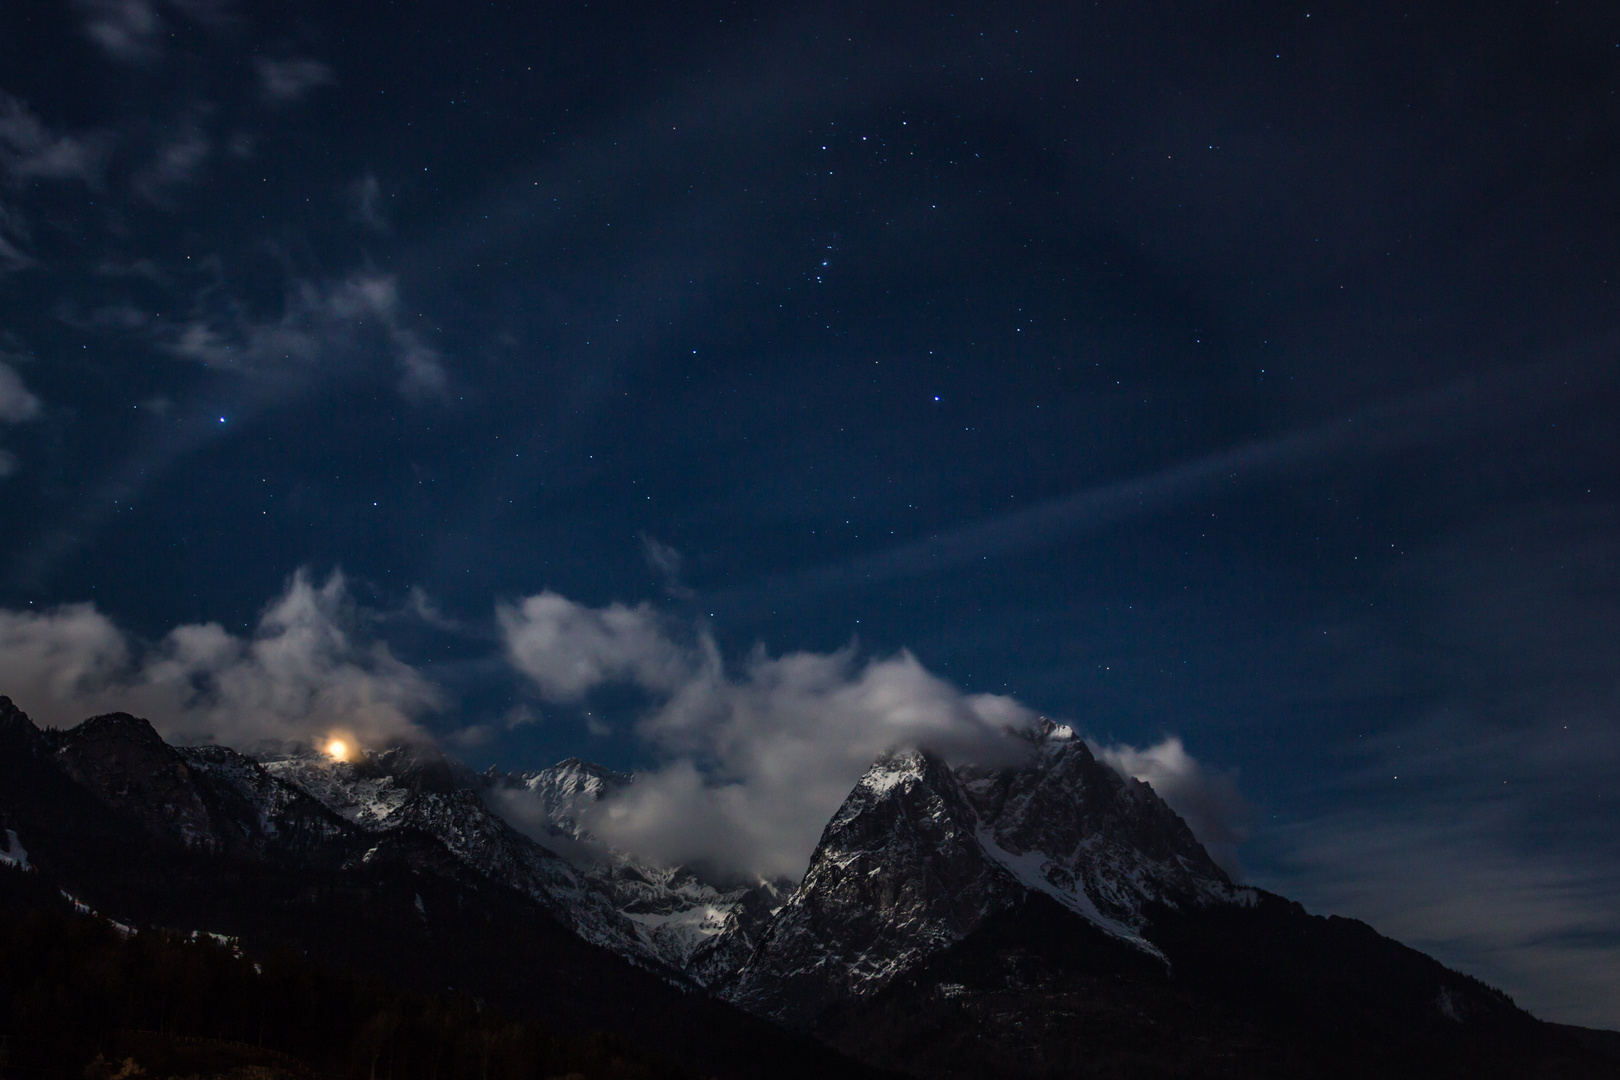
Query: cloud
319	322
754	762
569	649
30	151
666	562
366	195
54	660
128	30
1209	802
282	82
11	257
1431	416
177	163
17	404
301	674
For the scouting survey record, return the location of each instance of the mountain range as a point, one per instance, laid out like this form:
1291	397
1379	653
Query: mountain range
1042	917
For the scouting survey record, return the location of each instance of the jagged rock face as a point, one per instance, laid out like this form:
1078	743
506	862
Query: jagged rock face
920	855
254	810
1103	844
722	954
367	799
130	768
899	874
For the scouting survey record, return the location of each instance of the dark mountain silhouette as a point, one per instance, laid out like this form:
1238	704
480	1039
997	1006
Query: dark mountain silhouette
1042	919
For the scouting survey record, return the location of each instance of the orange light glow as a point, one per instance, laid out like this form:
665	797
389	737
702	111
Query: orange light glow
338	749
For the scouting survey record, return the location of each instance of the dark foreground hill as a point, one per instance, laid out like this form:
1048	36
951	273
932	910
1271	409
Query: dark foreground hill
81	997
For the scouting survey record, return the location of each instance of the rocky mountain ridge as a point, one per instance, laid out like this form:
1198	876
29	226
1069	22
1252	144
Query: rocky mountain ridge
949	919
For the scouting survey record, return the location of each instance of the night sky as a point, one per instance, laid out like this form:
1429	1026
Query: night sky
702	387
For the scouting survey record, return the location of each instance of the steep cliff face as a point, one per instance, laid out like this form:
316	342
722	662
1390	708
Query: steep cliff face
130	768
1101	844
921	855
899	874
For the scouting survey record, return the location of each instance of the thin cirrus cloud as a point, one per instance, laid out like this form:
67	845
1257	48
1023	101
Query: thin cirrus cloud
17	404
304	671
30	152
326	330
755	758
319	322
132	31
283	82
176	164
126	30
1466	406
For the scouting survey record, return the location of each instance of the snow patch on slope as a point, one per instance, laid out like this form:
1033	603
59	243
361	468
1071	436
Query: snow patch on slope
14	854
1039	872
368	802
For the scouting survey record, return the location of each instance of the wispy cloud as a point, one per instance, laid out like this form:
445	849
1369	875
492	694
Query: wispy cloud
1424	418
365	195
666	562
320	323
31	152
127	30
17	403
177	162
282	82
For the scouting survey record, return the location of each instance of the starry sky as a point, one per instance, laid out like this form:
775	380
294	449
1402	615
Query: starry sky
1236	382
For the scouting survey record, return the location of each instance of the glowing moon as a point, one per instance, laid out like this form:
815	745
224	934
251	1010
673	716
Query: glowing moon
338	749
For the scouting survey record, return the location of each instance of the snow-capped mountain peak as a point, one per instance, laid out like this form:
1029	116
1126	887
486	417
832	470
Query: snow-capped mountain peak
921	854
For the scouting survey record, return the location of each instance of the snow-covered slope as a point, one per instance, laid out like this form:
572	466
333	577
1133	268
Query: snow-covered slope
699	927
415	788
920	855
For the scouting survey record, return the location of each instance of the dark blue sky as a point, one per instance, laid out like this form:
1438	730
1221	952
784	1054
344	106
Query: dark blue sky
1240	373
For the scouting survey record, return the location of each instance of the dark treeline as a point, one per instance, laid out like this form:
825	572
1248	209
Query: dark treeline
79	998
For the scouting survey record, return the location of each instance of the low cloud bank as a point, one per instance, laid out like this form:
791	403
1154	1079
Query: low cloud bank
1209	802
302	673
757	757
754	757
